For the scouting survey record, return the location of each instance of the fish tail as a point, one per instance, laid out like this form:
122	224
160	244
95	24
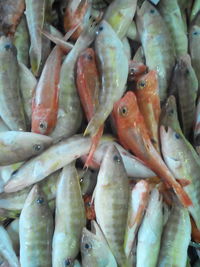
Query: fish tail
95	142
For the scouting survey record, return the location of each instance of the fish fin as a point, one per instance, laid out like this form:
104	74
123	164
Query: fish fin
95	142
92	127
182	195
183	182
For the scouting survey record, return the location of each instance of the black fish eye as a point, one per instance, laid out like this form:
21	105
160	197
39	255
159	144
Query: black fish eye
88	246
13	173
117	158
101	28
141	84
195	33
37	147
177	136
67	262
123	111
152	11
43	125
171	112
89	57
8	46
40	200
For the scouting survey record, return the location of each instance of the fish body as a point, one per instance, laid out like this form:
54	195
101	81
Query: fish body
35	15
11	108
119	15
148	100
45	100
112	192
197	127
133	135
157	44
149	234
70	218
113	65
13	231
88	86
35	230
175	238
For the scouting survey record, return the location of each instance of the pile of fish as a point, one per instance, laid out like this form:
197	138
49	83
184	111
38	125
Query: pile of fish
99	133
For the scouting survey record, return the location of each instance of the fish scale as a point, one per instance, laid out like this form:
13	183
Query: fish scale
112	192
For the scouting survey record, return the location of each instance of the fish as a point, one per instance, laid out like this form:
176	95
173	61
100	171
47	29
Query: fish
150	232
75	13
132	32
185	87
11	12
147	93
89	207
113	65
180	157
6	248
139	55
195	10
175	238
95	250
70	218
11	108
133	135
18	146
70	112
119	15
134	167
88	86
45	109
35	16
157	44
22	41
194	38
51	160
138	201
28	84
172	16
127	47
111	202
197	127
13	231
35	230
136	70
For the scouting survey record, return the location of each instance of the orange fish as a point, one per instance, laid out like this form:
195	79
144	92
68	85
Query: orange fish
136	69
195	231
74	14
133	135
149	104
88	86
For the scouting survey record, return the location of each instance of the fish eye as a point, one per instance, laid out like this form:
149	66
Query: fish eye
187	72
141	84
7	46
152	11
101	28
171	112
40	200
43	125
123	111
88	246
68	262
132	71
117	158
195	33
37	147
177	136
89	57
14	172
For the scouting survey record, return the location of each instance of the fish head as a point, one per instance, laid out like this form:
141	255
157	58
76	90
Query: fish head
43	120
6	45
147	85
136	69
126	111
87	56
147	11
195	32
169	115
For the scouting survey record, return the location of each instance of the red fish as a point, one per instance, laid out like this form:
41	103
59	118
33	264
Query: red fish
89	207
133	135
88	86
147	93
136	69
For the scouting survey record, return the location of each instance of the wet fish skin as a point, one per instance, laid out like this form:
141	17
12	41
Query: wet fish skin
19	146
6	248
157	44
11	109
35	230
51	160
150	231
70	218
22	41
13	231
176	237
112	192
